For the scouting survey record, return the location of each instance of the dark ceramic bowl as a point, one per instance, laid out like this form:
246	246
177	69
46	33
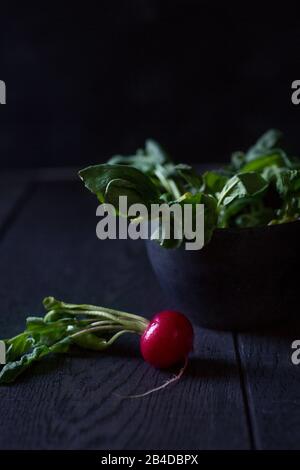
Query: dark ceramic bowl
243	279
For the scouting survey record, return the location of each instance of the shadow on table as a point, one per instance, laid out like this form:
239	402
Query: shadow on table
200	368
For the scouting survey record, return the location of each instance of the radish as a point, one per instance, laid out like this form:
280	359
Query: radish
165	341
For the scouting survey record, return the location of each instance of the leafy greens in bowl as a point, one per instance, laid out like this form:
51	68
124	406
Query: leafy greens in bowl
259	187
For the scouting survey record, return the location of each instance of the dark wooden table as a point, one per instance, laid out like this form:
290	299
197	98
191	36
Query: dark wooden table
239	392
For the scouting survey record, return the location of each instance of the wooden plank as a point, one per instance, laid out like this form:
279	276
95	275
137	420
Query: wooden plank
272	383
73	402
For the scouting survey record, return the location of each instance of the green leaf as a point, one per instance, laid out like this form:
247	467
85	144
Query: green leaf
144	160
48	333
210	211
213	182
242	185
288	183
190	177
266	142
110	181
13	369
119	187
263	162
255	217
255	187
237	160
17	346
90	341
65	325
210	215
264	147
245	212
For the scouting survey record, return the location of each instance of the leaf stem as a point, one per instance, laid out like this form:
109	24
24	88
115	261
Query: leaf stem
51	304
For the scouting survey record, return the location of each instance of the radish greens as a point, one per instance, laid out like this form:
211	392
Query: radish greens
259	187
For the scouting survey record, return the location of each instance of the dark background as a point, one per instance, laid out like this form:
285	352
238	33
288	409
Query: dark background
202	77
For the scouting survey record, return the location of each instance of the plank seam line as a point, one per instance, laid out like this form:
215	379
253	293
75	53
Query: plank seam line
16	209
245	396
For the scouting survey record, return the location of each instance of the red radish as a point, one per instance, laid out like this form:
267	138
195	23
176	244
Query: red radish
167	340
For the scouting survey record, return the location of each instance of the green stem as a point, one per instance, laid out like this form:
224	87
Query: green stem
96	329
101	318
224	194
50	303
167	183
174	189
119	317
138	328
116	336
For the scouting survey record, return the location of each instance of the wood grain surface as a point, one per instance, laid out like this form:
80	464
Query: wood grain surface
272	382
